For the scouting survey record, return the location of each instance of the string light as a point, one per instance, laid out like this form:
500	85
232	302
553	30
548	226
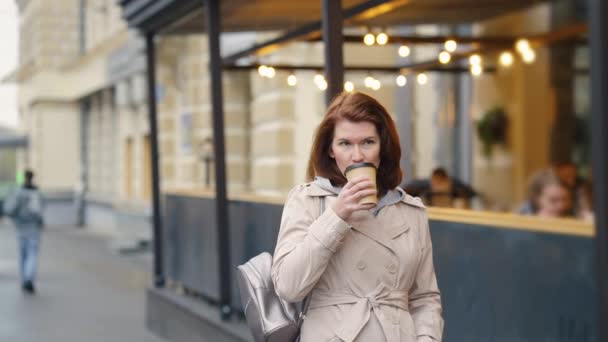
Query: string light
349	86
475	59
369	39
292	80
506	59
450	45
522	45
322	85
270	72
476	70
319	79
444	57
401	80
369	81
404	51
422	78
529	56
376	85
262	70
382	38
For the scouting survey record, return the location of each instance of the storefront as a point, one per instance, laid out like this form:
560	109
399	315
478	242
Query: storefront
500	274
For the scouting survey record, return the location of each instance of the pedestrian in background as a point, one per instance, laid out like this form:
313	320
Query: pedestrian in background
24	208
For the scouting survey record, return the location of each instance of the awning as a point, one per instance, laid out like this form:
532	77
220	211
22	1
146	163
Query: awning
11	139
181	16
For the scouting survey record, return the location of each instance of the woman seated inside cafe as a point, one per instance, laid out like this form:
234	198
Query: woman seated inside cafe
548	196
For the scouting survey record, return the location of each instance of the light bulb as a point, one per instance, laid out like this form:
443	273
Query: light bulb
376	85
450	45
444	57
262	70
476	70
369	39
475	59
369	81
422	78
522	45
270	72
349	86
382	38
292	80
404	51
506	59
322	85
319	78
529	56
401	80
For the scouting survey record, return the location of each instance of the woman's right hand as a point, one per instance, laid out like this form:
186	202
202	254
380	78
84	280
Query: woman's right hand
348	199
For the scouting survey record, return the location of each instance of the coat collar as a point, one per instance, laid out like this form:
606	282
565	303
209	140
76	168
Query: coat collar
413	201
321	187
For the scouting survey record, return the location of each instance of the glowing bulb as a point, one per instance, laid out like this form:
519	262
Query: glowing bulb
322	85
349	86
319	79
270	72
376	85
404	51
382	38
476	70
369	39
369	81
450	45
422	78
506	59
444	57
522	45
529	56
475	60
262	69
401	80
292	80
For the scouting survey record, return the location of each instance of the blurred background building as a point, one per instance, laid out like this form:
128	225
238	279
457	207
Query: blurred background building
82	95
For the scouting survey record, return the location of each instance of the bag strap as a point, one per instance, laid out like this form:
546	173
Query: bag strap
306	302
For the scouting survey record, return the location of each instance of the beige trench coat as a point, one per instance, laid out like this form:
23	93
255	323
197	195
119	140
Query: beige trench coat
372	278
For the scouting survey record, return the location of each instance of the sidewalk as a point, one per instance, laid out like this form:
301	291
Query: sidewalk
86	292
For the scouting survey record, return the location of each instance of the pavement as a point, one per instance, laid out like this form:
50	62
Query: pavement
86	291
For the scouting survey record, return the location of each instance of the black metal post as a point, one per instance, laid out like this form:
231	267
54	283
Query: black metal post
159	276
207	171
598	35
332	40
215	70
82	187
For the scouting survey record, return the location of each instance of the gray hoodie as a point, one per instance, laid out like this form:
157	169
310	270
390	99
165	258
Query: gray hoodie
24	207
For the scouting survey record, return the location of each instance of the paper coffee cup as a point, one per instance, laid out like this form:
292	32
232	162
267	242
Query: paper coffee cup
363	169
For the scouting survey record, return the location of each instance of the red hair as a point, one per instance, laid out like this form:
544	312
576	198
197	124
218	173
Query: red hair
357	107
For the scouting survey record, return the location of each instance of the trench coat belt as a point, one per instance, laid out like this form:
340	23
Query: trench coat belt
359	315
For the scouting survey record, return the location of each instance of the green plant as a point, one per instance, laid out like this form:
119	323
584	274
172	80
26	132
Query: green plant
492	129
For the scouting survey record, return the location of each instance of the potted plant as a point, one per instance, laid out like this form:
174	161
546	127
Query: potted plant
492	129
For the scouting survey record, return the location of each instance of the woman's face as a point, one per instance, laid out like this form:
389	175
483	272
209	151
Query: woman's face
355	142
553	201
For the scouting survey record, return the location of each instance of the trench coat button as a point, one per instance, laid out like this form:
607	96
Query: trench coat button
361	265
392	268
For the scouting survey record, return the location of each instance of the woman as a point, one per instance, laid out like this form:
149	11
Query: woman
368	273
548	196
